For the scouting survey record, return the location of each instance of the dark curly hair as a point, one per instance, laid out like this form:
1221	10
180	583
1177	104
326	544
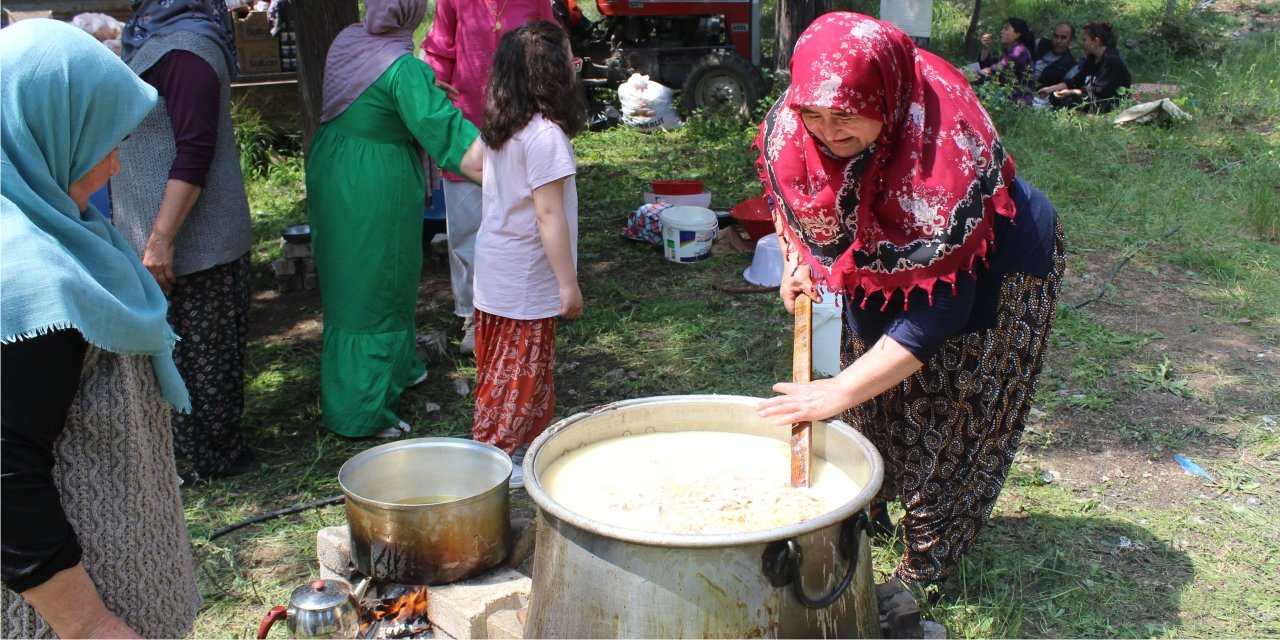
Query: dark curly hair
1025	36
1101	31
532	74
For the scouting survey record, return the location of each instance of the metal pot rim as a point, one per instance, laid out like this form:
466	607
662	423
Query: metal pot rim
366	456
533	486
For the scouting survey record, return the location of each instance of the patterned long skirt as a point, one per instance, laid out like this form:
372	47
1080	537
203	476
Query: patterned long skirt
515	385
209	311
948	433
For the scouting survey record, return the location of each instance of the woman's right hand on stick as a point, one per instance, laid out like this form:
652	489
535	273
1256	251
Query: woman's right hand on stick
796	280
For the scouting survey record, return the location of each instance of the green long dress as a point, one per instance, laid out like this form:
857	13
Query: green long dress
365	196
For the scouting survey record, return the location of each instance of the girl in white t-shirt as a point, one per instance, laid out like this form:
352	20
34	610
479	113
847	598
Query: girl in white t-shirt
526	250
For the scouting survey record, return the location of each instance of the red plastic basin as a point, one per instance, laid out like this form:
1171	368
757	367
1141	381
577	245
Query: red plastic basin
675	187
754	216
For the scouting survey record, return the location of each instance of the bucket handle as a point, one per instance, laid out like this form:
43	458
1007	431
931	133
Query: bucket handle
782	560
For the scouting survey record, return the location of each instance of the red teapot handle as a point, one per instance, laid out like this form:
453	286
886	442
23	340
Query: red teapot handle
276	613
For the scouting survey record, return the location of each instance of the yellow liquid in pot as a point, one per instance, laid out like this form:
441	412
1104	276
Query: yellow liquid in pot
693	482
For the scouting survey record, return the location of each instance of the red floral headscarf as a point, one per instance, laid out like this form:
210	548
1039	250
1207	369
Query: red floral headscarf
914	208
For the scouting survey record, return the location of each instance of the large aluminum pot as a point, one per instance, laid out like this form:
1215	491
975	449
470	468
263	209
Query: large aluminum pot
807	580
428	510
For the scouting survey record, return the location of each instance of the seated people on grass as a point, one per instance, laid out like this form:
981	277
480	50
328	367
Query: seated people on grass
1015	67
1097	86
1054	60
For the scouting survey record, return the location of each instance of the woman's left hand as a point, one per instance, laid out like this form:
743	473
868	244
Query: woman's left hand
804	401
158	259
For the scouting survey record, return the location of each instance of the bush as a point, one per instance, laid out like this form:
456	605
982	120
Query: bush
260	146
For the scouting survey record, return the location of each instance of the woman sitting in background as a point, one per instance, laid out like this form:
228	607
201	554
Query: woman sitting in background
1096	87
1016	67
91	526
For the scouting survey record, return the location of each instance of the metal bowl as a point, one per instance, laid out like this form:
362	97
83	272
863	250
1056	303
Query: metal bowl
299	233
427	510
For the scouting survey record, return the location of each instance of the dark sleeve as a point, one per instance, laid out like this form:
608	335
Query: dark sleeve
192	95
1077	81
922	327
1056	71
1112	75
38	380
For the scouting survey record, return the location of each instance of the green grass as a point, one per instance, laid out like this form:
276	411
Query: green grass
1063	556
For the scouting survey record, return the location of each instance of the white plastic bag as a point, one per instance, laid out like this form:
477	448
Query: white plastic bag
99	25
647	105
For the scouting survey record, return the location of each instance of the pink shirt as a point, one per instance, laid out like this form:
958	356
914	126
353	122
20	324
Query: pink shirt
462	41
513	273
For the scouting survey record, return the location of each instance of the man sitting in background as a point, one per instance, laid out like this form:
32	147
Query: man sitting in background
1055	63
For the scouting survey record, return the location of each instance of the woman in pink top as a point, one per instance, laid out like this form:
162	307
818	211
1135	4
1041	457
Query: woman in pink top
526	250
460	47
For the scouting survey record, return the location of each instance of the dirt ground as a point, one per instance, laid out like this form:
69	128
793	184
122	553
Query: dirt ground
1088	449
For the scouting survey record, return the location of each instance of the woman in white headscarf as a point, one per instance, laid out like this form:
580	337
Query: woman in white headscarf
92	538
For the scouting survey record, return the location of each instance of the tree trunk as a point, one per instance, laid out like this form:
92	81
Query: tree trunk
793	17
973	28
1169	6
317	23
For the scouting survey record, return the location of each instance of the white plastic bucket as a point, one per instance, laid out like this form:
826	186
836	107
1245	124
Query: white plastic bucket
826	335
687	233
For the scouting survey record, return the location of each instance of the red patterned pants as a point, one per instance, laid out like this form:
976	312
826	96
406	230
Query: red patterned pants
515	386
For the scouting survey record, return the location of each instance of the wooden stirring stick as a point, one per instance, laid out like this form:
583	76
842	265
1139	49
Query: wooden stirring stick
801	371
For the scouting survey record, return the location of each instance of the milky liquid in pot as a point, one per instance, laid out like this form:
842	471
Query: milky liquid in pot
693	482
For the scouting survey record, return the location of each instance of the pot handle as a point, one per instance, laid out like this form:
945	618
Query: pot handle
782	560
276	613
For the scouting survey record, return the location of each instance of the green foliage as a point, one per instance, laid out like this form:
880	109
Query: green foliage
1160	377
260	145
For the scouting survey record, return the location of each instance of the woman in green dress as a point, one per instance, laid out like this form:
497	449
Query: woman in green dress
365	193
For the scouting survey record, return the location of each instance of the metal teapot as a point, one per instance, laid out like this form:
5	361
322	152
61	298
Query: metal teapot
321	609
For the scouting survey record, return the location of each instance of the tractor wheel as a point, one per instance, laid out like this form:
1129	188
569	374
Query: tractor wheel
722	82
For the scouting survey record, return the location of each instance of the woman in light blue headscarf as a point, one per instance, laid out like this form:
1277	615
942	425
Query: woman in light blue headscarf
93	539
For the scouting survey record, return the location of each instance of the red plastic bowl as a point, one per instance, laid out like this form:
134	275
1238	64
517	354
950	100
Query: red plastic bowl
675	187
755	217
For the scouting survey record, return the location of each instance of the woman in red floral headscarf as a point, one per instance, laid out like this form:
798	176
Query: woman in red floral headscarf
891	188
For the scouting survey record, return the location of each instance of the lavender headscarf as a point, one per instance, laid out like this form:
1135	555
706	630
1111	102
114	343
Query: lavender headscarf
208	18
363	51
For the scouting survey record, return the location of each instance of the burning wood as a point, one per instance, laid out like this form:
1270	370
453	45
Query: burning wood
403	616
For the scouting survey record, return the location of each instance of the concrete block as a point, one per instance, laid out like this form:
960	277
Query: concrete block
333	550
286	284
284	267
310	281
504	625
462	609
308	265
292	250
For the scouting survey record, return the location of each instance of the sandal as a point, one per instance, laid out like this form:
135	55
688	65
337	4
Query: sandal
401	429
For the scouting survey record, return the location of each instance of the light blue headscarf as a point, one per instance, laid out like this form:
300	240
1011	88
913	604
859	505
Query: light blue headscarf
208	18
67	102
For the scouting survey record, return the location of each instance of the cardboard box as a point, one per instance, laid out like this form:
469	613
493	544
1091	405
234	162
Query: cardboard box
250	26
257	51
11	17
258	57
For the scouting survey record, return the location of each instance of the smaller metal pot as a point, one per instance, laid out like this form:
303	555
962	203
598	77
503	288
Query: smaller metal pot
321	609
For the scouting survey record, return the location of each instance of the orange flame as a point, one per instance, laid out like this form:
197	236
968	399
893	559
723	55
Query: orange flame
407	608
